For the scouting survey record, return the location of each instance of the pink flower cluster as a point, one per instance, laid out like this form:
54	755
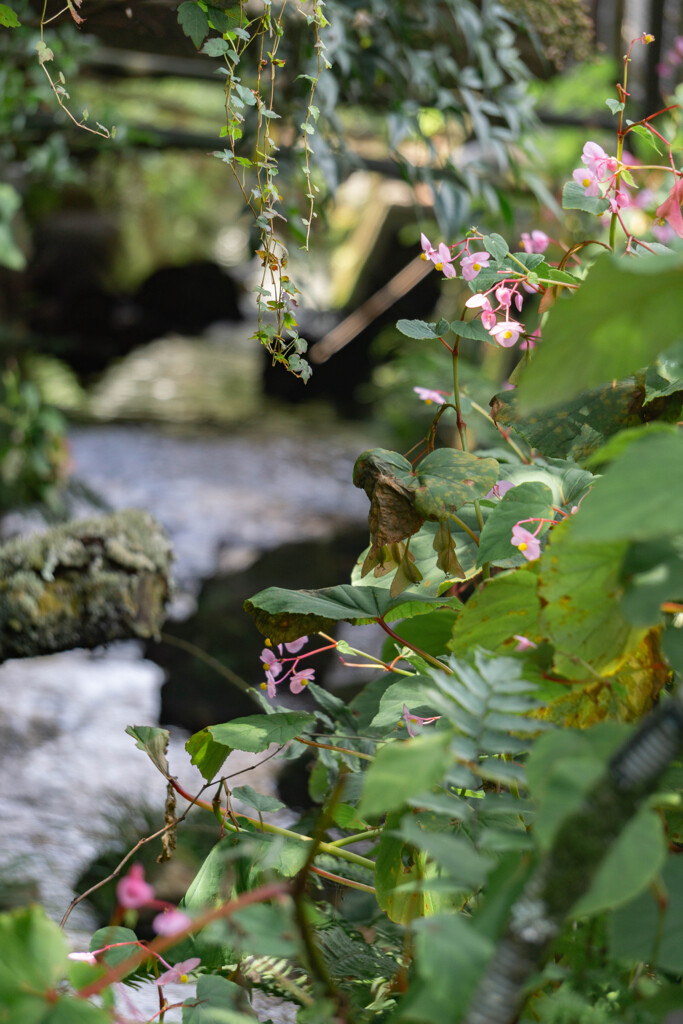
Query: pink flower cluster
598	176
471	263
504	332
273	666
133	893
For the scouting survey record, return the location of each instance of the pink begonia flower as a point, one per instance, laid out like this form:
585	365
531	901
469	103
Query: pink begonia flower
443	260
472	264
270	662
537	241
414	723
499	489
523	643
618	200
179	972
519	301
171	921
301	679
588	181
428	250
478	301
270	684
670	209
88	958
504	295
528	544
132	891
598	162
506	333
488	319
428	395
294	646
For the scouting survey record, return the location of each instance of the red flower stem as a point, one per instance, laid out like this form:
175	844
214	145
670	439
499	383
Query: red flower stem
114	974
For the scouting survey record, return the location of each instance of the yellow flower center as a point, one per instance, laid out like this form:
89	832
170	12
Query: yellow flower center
269	643
264	686
477	266
523	546
428	401
265	666
184	978
508	334
439	266
586	182
423	256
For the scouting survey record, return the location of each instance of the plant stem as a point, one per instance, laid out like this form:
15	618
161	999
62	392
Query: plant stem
462	431
223	670
265	826
358	838
329	746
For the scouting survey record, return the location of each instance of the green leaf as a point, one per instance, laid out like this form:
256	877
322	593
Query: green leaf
8	18
399	863
113	935
633	862
525	501
33	954
496	246
403	769
259	801
574	198
225	20
647	136
193	21
623	316
614	105
430	632
417	329
448	479
413	692
284	615
646	930
575	429
216	48
652	573
580	586
218	1001
210	885
451	957
154	742
471	329
507	605
206	754
454	853
256	732
640	496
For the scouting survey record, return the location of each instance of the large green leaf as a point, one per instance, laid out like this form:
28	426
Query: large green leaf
403	769
525	501
640	496
448	479
631	865
398	863
255	733
580	587
206	754
624	314
508	605
284	615
33	954
647	930
577	427
122	940
451	957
